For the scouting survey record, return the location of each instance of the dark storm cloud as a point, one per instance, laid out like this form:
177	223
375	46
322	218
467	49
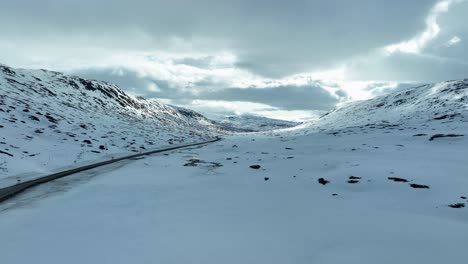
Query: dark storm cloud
203	62
256	51
291	97
274	37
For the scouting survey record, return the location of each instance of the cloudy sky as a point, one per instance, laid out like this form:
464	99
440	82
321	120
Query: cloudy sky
286	59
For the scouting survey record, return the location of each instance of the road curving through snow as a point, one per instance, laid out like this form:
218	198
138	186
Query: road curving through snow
10	191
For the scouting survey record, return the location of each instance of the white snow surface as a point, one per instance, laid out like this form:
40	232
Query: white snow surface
396	183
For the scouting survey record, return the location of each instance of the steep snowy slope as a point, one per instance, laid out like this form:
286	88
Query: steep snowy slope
48	119
445	103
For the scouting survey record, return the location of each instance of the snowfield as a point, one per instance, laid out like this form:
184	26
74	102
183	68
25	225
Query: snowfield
378	181
217	209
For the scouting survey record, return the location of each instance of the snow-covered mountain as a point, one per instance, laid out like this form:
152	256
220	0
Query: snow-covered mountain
445	102
48	119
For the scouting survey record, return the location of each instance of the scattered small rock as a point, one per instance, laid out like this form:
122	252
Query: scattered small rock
419	186
323	181
193	163
457	205
215	165
255	167
34	118
6	153
353	181
51	119
354	178
396	179
446	116
266	178
444	135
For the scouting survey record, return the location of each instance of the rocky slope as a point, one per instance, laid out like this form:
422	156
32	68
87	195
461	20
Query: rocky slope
48	119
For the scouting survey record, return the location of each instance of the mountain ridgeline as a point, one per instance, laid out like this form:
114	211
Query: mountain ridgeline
444	105
45	114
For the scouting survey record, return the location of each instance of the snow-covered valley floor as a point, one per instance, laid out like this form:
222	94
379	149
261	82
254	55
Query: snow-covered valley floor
207	205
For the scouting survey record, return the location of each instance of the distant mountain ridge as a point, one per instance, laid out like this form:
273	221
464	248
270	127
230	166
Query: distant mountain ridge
253	123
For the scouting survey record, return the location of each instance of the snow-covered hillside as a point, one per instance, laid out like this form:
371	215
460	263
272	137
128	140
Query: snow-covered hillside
445	102
49	120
